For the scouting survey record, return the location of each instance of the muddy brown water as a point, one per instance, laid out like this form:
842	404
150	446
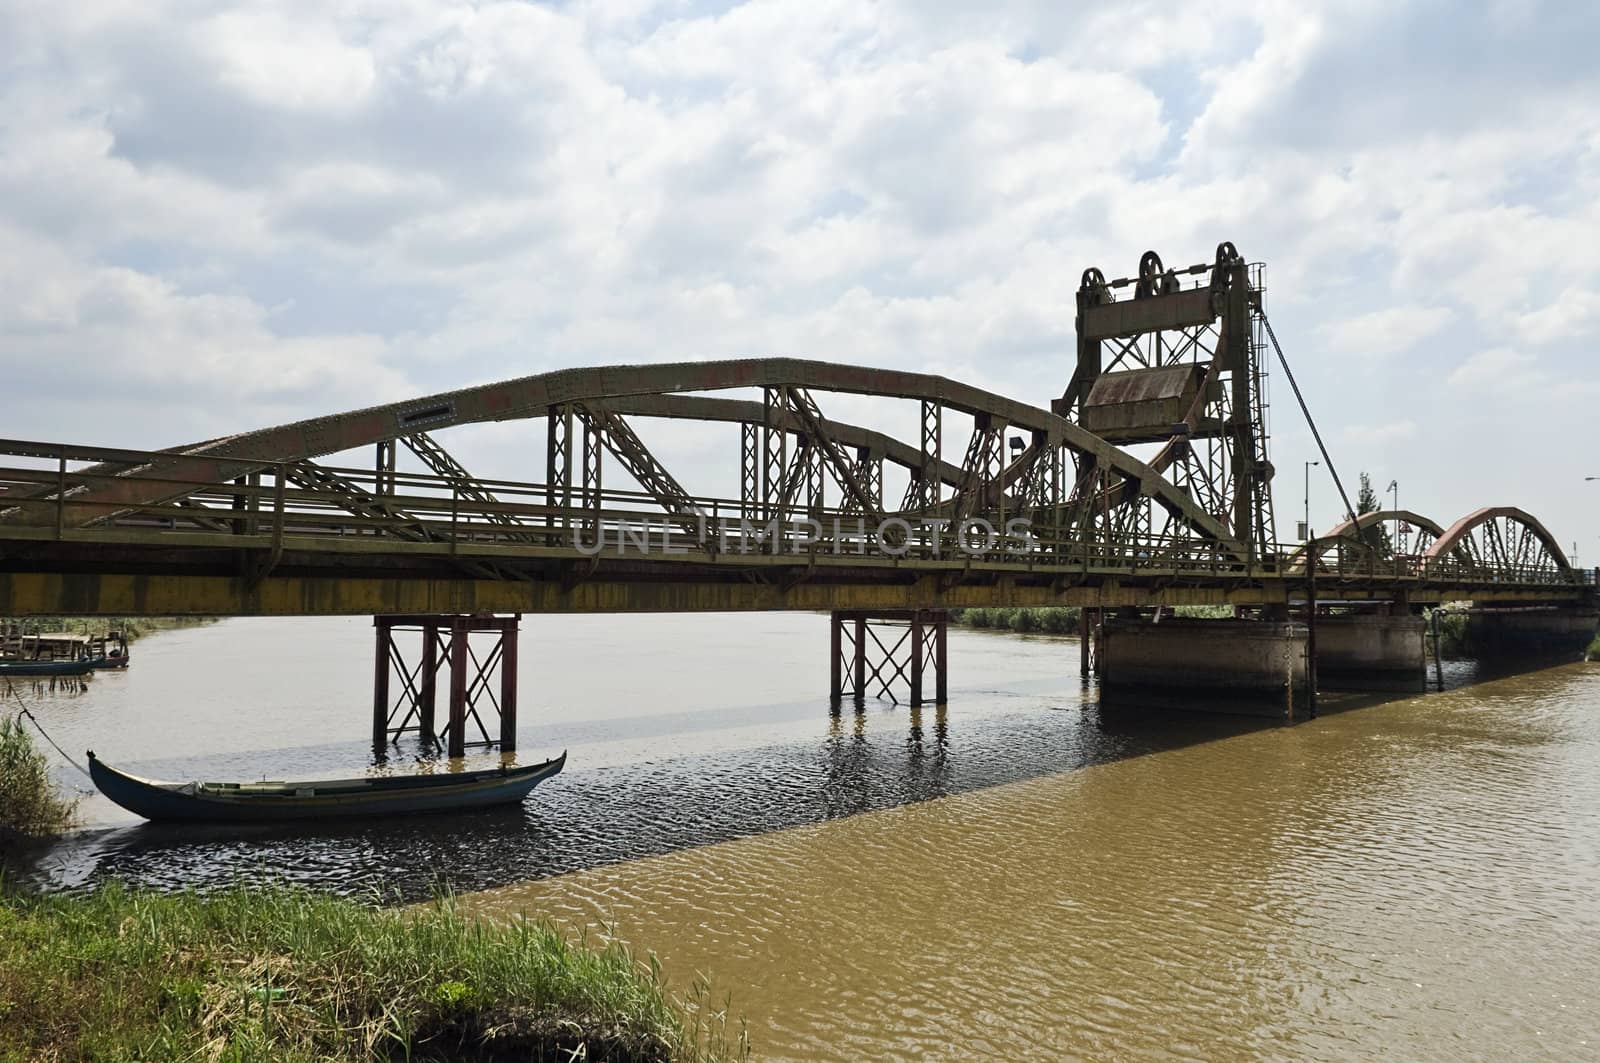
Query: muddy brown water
1021	874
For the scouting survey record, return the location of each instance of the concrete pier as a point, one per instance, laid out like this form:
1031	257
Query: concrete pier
1249	667
1535	632
1371	652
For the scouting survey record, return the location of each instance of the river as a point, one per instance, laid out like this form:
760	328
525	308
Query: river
1018	875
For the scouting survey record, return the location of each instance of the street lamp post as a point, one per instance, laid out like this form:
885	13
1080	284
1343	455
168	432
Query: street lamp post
1394	486
1308	498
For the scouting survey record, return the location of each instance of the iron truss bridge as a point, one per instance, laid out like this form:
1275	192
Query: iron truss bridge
1145	483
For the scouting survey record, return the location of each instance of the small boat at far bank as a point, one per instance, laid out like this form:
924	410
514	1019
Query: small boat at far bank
264	802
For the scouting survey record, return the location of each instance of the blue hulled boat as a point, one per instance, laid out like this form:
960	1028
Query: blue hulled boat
378	795
22	666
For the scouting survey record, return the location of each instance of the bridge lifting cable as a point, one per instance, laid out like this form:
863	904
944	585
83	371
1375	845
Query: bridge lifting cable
1301	399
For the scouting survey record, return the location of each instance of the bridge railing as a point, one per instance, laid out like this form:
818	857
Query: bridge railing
1352	559
65	493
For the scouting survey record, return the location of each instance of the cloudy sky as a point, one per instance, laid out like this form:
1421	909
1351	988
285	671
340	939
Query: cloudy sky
216	217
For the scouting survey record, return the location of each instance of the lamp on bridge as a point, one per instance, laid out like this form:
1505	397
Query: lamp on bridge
1394	486
1305	526
1016	444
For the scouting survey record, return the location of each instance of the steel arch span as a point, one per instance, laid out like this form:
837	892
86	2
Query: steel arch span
1501	542
1065	477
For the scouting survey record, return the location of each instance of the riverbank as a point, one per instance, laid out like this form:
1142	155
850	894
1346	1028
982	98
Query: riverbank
281	973
1053	619
132	628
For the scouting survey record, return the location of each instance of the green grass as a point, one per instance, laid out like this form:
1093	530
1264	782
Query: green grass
1452	633
30	807
1048	619
133	627
1056	620
282	973
1594	649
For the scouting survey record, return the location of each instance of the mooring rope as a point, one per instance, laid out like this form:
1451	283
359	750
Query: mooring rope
40	727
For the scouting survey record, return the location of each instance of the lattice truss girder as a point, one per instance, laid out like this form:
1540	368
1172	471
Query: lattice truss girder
432	454
889	657
1218	447
786	461
1506	544
410	688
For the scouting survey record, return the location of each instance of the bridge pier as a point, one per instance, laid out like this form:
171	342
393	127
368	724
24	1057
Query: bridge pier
1535	631
877	651
1248	667
470	680
1371	651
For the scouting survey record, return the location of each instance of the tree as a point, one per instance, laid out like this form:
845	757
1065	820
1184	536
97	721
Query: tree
1375	535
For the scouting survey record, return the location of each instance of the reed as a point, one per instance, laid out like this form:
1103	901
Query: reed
132	627
283	973
30	805
1055	620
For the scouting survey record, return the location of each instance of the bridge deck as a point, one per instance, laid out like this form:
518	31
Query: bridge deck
350	541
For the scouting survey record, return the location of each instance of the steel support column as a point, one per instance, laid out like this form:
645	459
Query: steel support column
427	701
456	725
889	652
446	644
558	475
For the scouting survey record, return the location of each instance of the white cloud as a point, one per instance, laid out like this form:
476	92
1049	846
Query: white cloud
1575	314
1380	434
292	61
1498	369
1394	330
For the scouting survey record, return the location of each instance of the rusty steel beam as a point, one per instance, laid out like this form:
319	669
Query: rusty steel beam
815	428
352	497
743	411
1452	538
118	594
437	458
982	468
1175	310
532	396
641	464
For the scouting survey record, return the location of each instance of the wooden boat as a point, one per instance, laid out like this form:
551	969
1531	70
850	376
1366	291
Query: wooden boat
61	652
378	795
26	666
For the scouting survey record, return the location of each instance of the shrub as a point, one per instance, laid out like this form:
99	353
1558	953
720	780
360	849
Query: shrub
30	806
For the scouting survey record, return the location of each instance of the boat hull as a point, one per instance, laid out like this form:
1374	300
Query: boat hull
382	797
46	667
